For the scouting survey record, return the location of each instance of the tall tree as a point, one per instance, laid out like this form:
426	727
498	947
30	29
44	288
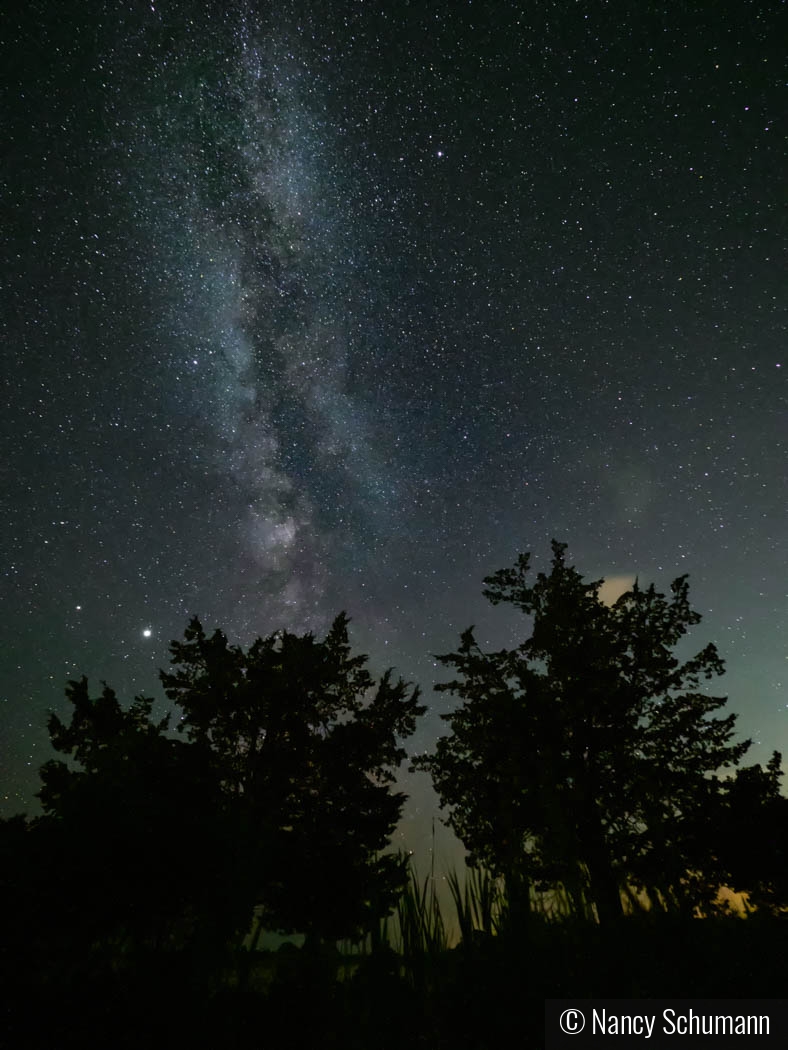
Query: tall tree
309	745
583	755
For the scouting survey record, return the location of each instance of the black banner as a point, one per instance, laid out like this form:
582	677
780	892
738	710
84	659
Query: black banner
656	1024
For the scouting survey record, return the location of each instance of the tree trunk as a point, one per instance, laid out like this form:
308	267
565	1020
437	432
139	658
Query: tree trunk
605	889
518	893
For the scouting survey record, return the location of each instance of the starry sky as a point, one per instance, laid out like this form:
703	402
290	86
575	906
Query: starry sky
310	307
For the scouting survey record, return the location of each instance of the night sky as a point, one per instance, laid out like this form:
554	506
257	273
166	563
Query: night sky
310	307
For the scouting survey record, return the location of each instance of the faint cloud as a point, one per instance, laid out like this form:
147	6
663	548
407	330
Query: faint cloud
613	587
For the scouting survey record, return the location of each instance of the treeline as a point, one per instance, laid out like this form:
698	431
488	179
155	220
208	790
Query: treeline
588	763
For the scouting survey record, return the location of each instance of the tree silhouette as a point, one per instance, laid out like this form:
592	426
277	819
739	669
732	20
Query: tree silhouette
308	746
751	835
584	755
139	831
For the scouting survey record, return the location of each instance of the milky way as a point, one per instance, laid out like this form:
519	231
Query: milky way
259	304
312	309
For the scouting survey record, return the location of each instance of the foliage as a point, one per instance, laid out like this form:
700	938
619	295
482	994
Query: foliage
584	756
419	919
479	903
308	746
751	834
139	830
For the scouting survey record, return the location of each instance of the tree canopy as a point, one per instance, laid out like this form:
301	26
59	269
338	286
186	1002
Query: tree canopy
281	797
308	744
147	847
749	832
585	756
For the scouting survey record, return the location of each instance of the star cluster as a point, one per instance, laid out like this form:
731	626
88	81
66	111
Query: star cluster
313	307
